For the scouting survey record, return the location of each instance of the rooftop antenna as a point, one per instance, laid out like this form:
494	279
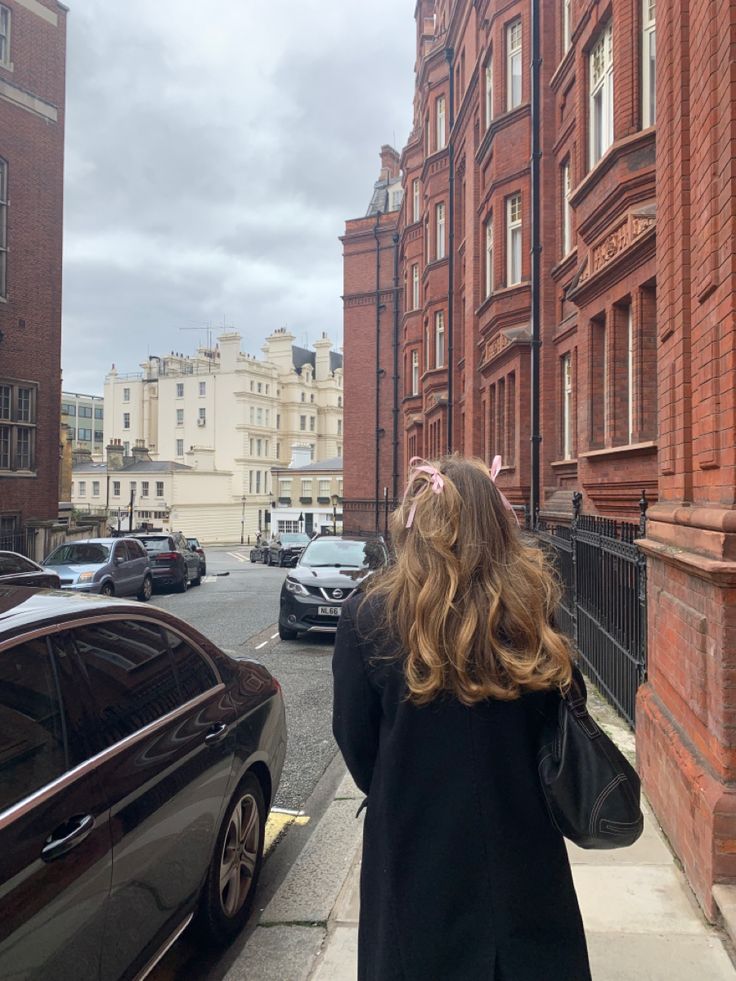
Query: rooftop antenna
208	331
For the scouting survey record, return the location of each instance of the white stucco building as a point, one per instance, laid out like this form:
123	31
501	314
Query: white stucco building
241	414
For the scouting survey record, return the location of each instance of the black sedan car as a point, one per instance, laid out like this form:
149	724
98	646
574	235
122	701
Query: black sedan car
17	570
285	548
138	763
173	562
330	569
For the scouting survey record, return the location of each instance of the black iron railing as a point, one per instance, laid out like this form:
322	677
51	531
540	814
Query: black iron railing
604	603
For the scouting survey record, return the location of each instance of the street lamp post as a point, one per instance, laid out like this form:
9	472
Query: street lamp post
242	520
335	499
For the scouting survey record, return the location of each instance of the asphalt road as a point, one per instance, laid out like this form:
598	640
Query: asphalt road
237	607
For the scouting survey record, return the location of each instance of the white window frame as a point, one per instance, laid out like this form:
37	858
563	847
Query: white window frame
95	488
649	64
180	447
159	488
440	109
416	200
489	256
566	186
3	228
513	64
202	389
306	487
82	490
415	286
600	106
513	239
439	339
6	21
180	417
126	420
126	395
488	76
567	407
180	390
415	372
440	246
567	26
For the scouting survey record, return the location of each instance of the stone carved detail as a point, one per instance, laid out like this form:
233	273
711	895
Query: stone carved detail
618	241
495	346
610	247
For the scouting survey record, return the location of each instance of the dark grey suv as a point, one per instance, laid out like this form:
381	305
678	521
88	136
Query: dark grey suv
329	570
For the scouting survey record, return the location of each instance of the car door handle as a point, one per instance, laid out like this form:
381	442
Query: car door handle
216	734
67	837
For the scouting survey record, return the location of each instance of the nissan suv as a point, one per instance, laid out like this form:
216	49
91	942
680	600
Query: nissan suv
329	570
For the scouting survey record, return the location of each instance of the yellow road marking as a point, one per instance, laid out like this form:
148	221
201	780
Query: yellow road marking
277	826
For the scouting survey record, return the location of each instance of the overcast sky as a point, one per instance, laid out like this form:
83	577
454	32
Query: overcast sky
214	152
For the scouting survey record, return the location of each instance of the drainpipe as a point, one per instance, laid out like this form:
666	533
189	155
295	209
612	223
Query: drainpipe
536	437
379	370
450	54
395	455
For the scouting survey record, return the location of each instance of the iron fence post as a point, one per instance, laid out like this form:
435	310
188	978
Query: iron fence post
577	502
641	563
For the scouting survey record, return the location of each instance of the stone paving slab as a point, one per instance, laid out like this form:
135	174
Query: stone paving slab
339	960
636	899
347	907
309	891
655	957
283	953
650	849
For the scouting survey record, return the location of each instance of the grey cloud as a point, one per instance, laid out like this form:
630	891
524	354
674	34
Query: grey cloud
206	178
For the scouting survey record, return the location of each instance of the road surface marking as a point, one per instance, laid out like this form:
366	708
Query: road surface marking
261	645
238	556
274	636
209	578
278	824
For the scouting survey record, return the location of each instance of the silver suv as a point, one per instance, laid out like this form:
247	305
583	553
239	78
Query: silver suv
111	566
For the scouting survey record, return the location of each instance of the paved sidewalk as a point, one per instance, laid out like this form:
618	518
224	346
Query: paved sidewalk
641	921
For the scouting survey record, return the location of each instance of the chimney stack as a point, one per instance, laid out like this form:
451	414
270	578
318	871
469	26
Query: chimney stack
114	451
389	163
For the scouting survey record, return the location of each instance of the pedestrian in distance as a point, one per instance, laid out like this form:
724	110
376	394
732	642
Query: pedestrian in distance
444	666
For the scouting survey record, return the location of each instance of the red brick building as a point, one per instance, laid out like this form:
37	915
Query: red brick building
637	327
32	90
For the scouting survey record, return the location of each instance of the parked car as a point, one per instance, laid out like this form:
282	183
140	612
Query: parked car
285	548
173	563
111	566
193	543
329	571
17	570
135	787
259	551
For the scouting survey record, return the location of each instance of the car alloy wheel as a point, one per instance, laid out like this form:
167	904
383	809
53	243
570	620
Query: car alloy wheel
146	590
108	589
239	854
230	886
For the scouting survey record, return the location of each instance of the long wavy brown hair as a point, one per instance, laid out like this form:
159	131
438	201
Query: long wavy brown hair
469	602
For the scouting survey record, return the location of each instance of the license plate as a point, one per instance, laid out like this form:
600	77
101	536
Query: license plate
328	611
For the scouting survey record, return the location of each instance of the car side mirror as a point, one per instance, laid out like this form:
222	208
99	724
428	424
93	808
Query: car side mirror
119	560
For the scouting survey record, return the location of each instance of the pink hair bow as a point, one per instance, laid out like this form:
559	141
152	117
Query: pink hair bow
495	469
436	482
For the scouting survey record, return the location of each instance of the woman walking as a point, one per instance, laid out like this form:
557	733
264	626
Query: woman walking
443	666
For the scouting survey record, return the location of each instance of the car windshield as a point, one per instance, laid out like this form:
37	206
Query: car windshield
346	554
79	553
157	544
294	539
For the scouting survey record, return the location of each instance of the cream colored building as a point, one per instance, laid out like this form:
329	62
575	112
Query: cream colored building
189	497
307	496
243	413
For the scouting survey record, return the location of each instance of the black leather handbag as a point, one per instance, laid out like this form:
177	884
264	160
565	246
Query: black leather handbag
592	791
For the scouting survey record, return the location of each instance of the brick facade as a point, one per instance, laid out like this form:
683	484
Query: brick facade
638	338
32	88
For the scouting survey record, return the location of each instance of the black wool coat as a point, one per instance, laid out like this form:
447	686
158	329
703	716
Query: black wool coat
463	876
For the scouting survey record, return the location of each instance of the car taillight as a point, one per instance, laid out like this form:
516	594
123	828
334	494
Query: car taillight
167	555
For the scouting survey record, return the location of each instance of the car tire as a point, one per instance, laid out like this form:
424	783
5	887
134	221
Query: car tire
268	559
286	634
107	589
227	897
146	590
197	581
253	557
181	587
